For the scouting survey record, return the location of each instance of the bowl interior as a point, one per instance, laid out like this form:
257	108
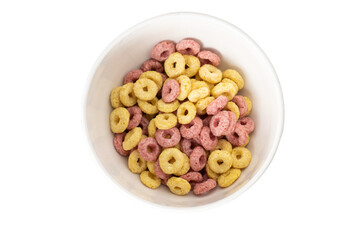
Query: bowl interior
237	51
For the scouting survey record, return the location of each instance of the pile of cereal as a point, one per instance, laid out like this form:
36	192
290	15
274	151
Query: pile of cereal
186	127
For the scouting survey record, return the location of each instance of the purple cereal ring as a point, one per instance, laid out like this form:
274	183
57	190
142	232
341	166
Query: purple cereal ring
168	138
239	137
191	129
149	149
188	145
135	117
232	123
206	121
216	105
208	140
132	76
152	65
192	176
144	123
118	140
188	47
162	50
207	57
198	159
241	103
159	172
219	123
170	91
204	187
247	123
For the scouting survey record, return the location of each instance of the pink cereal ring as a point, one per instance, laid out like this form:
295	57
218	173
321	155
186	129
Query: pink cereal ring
208	140
207	57
159	172
239	137
187	146
204	187
188	47
132	76
192	176
206	121
219	123
144	123
197	139
247	123
241	103
168	137
149	149
216	105
162	50
164	77
232	123
170	91
191	129
135	117
118	140
198	159
152	65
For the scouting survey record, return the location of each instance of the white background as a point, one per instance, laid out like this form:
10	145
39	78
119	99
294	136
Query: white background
52	188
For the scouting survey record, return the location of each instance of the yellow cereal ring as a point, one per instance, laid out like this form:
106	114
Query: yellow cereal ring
115	98
178	186
185	168
228	178
198	84
227	80
171	160
119	120
210	85
151	166
152	128
127	96
145	89
241	157
186	112
247	142
153	76
174	65
202	104
150	179
167	107
165	121
210	73
200	93
192	65
197	77
135	163
185	87
148	107
220	161
132	138
249	106
225	89
231	106
211	174
223	145
235	76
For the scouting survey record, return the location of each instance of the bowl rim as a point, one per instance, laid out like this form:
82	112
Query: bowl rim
279	94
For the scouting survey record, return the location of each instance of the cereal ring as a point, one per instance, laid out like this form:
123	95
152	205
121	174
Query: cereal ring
171	160
191	129
210	74
165	121
132	138
154	76
241	157
178	186
118	140
238	137
185	168
206	121
132	76
192	65
145	89
210	173
234	76
241	103
231	106
198	159
247	142
168	138
219	123
144	123
192	176
188	145
248	106
197	139
228	178
186	112
226	80
202	104
188	47
150	180
208	140
162	50
135	117
195	84
167	107
148	107
201	188
152	128
232	123
152	65
170	90
159	172
135	163
224	146
185	87
247	123
207	57
225	89
127	96
149	149
151	167
217	105
119	120
197	94
174	65
220	161
115	98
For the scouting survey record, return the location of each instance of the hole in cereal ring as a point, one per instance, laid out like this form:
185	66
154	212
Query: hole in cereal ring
220	161
149	149
174	65
186	112
172	160
216	123
145	89
164	54
117	119
186	66
167	136
177	188
202	159
238	156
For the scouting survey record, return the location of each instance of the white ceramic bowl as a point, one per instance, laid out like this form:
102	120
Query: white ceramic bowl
237	51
